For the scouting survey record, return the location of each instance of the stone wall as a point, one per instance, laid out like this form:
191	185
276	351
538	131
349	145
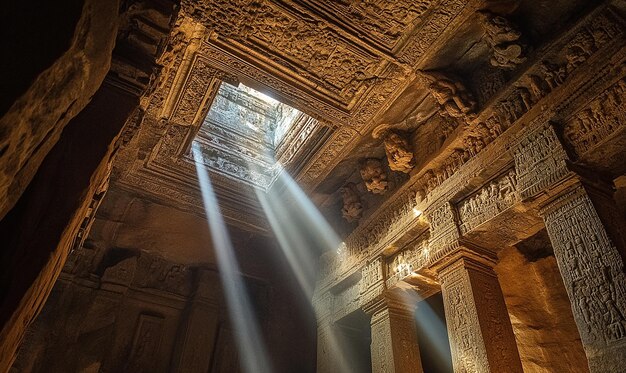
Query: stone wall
540	313
58	133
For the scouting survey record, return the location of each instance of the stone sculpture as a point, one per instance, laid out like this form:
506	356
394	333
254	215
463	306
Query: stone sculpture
374	176
352	207
399	156
455	100
504	40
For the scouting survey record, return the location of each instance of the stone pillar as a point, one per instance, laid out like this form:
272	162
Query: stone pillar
589	259
197	333
394	338
588	241
479	328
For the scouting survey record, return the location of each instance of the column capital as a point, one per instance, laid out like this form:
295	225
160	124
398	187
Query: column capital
467	255
399	304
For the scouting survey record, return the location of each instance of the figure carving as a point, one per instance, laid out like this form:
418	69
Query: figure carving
399	156
579	50
553	74
504	40
374	176
455	100
352	208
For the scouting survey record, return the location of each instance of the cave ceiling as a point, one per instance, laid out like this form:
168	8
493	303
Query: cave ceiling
354	70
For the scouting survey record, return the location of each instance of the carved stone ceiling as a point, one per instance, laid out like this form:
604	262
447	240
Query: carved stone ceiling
351	66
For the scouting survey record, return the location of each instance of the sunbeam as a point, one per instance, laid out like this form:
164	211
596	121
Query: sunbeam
249	341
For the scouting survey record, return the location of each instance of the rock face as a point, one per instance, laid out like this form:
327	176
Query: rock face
540	314
61	144
34	122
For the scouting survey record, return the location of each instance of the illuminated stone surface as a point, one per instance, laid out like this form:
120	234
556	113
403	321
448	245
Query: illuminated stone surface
470	156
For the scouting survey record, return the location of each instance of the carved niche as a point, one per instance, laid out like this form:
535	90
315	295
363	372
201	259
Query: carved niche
503	38
352	208
374	175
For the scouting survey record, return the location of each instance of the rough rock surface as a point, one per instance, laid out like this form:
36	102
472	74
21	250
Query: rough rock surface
35	121
542	320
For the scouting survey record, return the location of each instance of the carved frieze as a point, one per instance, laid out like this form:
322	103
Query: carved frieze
425	37
335	147
196	92
597	122
492	199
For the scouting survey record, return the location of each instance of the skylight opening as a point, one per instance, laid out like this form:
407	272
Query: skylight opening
241	132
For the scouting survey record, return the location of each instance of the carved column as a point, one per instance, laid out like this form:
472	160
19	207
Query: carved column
394	337
479	328
587	236
197	332
593	274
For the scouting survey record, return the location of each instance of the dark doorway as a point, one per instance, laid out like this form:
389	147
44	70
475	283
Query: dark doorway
432	335
354	336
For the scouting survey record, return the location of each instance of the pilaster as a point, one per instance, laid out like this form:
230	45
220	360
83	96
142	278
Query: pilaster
587	237
326	339
588	255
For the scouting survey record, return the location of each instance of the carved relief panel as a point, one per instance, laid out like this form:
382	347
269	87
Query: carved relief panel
444	231
489	201
467	347
599	120
592	269
372	281
146	344
539	159
407	261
